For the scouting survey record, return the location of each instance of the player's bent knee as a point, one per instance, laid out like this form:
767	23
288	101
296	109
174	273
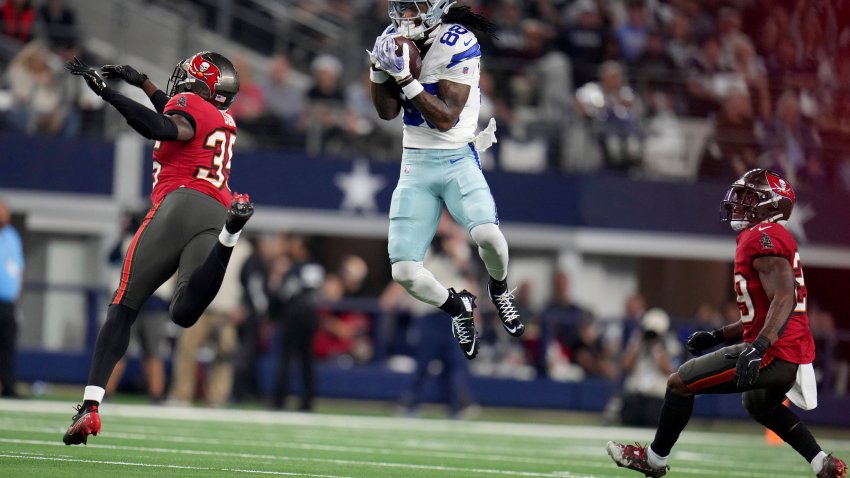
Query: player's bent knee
405	272
676	385
488	236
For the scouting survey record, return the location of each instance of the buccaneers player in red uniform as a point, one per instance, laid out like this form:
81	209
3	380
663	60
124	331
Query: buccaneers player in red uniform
774	326
191	201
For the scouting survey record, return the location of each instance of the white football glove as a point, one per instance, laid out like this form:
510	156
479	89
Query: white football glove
388	32
396	66
486	137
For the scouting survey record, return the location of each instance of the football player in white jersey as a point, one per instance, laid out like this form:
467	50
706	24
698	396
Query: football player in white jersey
440	163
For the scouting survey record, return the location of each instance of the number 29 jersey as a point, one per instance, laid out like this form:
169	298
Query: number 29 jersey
795	343
455	55
201	163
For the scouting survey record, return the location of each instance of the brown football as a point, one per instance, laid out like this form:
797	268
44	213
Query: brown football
415	57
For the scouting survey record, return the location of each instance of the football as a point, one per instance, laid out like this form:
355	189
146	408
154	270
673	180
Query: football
415	57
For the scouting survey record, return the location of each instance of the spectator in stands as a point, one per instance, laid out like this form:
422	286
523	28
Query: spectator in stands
585	349
650	357
631	36
792	142
11	284
212	340
751	68
706	317
615	113
344	332
678	41
583	39
59	22
708	79
285	99
250	111
325	111
17	18
295	292
40	103
733	149
560	319
656	73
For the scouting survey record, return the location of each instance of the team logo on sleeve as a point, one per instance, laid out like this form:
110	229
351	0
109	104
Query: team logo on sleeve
181	102
765	241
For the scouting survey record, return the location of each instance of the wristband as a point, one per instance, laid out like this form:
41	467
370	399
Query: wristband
761	343
378	76
412	89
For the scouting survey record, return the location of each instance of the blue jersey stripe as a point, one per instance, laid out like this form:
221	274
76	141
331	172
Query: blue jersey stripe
473	52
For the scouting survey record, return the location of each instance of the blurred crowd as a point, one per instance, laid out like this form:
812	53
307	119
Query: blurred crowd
677	89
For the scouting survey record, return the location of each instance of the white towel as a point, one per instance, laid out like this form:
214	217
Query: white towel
486	137
804	393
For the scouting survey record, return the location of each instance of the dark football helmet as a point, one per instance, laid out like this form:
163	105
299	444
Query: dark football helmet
758	196
209	75
428	14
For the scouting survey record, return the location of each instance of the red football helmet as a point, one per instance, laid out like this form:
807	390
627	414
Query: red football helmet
207	74
758	196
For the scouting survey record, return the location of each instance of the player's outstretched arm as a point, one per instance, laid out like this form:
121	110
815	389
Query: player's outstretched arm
140	80
148	123
442	110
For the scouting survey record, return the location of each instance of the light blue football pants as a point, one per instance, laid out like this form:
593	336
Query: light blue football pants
428	179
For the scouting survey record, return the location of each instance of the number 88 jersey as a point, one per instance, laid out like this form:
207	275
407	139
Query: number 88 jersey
201	163
454	55
795	344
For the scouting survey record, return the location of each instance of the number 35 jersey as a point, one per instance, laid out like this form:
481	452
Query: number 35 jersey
455	55
201	163
795	344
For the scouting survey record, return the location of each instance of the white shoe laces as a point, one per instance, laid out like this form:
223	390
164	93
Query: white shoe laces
462	332
505	303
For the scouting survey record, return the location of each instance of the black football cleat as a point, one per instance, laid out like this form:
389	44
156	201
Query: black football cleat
463	326
833	468
506	306
633	457
241	209
86	422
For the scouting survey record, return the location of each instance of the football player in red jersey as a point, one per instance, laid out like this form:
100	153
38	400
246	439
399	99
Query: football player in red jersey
777	342
183	231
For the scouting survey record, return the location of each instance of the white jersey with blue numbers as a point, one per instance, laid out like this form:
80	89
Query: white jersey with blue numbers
455	55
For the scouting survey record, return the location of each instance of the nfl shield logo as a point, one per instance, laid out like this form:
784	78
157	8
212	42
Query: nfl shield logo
465	70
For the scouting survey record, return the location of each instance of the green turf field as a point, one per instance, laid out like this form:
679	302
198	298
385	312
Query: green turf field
140	440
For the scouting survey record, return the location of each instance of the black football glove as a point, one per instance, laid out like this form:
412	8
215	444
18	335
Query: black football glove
703	340
124	72
749	362
93	80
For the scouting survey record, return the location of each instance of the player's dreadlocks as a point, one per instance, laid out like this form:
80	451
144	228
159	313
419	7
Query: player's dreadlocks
464	16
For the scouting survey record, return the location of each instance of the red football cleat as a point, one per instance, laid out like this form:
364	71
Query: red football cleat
241	209
85	423
633	457
833	468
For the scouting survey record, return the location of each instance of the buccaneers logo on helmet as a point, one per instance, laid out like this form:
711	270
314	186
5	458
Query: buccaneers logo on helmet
209	75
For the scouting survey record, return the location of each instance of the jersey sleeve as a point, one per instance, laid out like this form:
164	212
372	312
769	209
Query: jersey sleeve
187	105
773	240
460	55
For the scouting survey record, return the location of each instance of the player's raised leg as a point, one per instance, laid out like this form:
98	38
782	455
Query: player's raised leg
194	294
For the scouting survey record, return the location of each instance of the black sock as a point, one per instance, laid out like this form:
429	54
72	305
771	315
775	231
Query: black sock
192	299
498	287
453	305
675	414
112	342
88	405
788	426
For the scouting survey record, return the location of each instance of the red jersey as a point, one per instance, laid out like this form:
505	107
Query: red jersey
201	163
795	344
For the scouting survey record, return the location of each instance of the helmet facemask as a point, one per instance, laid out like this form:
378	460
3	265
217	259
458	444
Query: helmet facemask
414	20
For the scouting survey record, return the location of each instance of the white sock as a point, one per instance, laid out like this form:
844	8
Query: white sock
655	460
228	239
94	393
817	462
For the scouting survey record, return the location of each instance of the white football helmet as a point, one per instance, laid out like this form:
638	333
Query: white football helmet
416	26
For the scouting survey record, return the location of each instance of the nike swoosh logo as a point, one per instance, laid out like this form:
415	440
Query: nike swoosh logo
455	160
467	42
471	349
763	228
